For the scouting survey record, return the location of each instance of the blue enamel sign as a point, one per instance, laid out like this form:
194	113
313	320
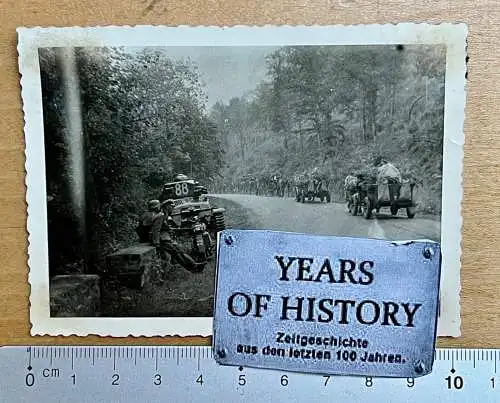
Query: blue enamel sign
326	305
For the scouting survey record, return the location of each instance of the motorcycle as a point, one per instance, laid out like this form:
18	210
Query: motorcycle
201	239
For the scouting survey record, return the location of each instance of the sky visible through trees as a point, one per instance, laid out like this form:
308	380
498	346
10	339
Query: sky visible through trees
220	114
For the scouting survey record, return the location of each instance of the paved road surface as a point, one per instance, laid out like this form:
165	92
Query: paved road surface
285	214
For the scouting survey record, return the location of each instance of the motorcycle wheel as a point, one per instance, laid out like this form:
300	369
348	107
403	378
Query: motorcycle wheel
367	208
220	224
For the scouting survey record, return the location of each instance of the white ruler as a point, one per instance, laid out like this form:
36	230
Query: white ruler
189	374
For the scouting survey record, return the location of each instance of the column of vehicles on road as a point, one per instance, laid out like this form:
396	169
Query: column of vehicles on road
263	184
277	185
364	192
190	214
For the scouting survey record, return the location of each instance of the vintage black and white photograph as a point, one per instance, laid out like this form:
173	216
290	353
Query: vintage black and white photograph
139	151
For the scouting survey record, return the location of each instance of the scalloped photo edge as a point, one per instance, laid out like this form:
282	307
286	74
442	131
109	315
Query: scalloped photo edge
454	36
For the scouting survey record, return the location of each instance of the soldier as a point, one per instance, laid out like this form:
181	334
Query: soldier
313	181
351	185
150	223
180	177
388	173
154	229
386	170
276	183
167	207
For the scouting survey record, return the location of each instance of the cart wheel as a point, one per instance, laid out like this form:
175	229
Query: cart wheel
410	212
394	210
367	208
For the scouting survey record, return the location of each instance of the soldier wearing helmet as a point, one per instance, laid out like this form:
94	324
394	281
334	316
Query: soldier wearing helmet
153	228
180	177
388	174
386	170
150	223
168	205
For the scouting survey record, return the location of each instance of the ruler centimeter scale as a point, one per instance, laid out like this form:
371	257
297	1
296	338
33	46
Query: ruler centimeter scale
190	374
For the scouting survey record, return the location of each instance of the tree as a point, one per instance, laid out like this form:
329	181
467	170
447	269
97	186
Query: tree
142	114
336	107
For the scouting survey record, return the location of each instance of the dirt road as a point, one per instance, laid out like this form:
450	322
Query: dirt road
187	294
285	214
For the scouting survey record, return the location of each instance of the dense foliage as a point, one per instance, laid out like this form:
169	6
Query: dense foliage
336	108
143	120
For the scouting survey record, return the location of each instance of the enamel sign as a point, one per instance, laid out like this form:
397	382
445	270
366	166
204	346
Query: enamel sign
326	305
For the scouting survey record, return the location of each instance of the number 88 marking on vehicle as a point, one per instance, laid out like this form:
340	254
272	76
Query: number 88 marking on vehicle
181	189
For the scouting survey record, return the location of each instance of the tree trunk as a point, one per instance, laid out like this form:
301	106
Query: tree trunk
371	100
301	138
393	106
225	137
364	120
242	145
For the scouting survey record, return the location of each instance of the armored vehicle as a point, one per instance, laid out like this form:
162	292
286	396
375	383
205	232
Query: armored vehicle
188	199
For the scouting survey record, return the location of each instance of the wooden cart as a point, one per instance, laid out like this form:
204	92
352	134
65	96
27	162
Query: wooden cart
375	196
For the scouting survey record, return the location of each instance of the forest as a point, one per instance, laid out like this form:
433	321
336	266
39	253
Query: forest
143	120
144	117
336	108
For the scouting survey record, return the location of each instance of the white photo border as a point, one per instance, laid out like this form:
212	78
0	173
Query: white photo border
454	36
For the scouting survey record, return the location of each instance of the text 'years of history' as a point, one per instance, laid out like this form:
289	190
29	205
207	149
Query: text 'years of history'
340	306
326	310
